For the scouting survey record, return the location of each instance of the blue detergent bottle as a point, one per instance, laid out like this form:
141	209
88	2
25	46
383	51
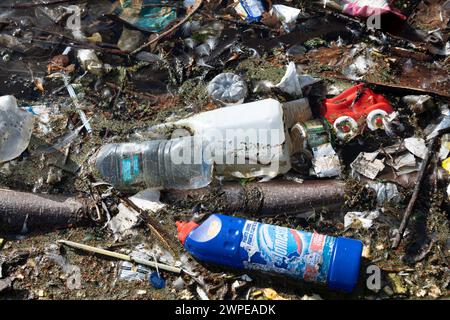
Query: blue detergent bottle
244	244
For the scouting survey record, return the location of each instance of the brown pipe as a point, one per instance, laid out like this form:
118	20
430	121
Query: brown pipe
265	198
23	212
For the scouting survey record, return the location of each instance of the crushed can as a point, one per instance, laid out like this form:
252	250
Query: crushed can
311	133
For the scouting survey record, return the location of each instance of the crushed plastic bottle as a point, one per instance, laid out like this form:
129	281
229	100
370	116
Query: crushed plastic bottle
16	126
227	88
166	164
245	244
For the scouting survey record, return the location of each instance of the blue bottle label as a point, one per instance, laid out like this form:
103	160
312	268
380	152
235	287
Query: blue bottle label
130	168
277	249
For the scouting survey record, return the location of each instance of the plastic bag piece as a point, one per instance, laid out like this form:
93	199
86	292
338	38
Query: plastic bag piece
227	88
16	126
386	192
416	146
143	16
290	83
287	15
443	125
356	218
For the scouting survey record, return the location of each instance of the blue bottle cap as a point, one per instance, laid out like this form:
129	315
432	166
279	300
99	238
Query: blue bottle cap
346	261
157	281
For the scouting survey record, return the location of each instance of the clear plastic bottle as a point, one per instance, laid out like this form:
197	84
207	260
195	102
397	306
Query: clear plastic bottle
166	164
16	126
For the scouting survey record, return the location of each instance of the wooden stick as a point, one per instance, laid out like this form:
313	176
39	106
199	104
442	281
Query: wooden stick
119	256
269	198
196	6
34	212
415	195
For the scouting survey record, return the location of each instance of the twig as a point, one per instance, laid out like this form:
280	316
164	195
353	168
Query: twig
152	225
236	21
119	256
396	269
101	46
126	90
122	79
197	5
415	195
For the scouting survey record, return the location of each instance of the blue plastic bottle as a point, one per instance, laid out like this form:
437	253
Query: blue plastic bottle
245	244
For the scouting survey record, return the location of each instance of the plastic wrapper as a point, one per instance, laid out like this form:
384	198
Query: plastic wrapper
365	219
386	192
326	162
145	14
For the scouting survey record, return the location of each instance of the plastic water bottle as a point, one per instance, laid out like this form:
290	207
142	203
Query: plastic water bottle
169	164
245	244
16	126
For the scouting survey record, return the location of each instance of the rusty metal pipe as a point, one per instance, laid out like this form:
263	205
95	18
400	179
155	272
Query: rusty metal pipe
267	198
23	212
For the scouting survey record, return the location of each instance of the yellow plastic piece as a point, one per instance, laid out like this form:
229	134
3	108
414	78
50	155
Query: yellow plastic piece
446	164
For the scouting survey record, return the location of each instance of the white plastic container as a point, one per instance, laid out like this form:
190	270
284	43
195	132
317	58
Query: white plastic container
247	140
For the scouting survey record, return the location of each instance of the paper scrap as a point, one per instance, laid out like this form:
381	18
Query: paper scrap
367	164
365	218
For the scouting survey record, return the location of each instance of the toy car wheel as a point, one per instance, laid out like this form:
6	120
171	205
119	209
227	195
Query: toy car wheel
375	119
345	127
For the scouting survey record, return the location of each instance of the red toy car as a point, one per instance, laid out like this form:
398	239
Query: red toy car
358	103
